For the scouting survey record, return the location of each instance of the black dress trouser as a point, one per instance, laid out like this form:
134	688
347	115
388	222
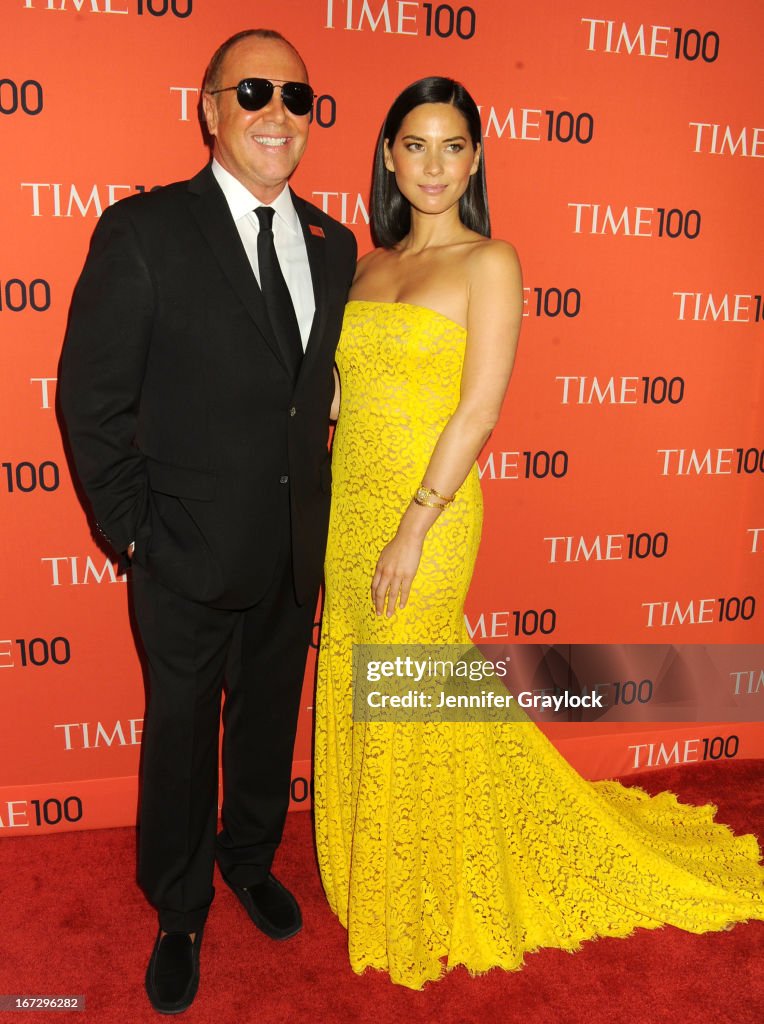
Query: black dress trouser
191	648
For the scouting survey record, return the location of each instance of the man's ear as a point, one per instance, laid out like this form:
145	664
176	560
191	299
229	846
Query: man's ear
210	108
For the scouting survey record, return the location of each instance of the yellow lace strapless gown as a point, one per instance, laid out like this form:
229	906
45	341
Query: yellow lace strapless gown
468	843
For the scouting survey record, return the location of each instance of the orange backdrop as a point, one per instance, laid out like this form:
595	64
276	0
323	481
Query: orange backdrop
623	486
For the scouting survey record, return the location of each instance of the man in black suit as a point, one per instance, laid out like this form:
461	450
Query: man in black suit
196	383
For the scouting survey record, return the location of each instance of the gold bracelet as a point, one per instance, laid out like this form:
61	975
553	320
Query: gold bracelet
424	495
429	504
438	494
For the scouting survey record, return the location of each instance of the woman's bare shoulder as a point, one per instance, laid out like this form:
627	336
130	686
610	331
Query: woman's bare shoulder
369	265
369	259
494	277
494	255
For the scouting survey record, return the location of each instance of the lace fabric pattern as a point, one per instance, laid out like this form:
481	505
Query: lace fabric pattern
468	843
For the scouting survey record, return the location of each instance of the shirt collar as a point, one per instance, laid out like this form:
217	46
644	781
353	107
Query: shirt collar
241	201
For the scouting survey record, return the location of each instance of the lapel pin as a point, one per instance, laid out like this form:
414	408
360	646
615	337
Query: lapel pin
317	230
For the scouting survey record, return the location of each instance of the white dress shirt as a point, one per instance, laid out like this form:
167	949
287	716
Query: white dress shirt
287	238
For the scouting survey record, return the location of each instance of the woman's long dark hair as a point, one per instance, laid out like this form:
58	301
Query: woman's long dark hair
390	212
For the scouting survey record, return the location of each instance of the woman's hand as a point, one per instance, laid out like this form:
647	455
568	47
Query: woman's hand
396	568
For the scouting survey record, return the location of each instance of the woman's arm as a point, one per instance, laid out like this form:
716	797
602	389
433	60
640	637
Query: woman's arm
335	409
494	315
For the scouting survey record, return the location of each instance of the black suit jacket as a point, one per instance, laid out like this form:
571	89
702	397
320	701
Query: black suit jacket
183	421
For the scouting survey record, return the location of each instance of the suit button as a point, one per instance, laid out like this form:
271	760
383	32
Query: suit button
293	411
283	479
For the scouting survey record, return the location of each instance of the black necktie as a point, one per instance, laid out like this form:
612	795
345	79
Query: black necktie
278	301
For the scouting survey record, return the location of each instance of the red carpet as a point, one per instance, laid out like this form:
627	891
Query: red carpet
74	922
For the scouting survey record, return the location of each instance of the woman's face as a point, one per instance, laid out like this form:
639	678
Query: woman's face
432	157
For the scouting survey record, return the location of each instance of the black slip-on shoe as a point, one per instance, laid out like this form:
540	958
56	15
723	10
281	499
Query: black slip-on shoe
272	907
172	976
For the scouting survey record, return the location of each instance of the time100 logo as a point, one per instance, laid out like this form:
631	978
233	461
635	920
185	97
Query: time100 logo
158	8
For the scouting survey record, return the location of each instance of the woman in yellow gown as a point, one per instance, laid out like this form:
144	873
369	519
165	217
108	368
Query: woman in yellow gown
445	843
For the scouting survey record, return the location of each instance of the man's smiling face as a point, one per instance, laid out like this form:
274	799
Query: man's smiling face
261	148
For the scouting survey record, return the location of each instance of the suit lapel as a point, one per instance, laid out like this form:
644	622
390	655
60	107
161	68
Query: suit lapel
211	211
315	243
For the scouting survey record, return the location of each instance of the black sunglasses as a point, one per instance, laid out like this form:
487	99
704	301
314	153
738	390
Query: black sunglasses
256	93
